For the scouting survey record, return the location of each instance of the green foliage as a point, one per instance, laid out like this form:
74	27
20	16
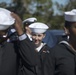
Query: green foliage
69	5
3	4
42	10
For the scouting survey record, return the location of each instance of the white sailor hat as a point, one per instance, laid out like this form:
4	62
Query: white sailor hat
38	27
28	21
73	10
70	15
6	19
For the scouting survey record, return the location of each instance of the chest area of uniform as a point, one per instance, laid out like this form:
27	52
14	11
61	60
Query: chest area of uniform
7	53
65	61
43	53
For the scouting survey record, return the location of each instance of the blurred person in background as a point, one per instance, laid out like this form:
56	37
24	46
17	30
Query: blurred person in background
26	24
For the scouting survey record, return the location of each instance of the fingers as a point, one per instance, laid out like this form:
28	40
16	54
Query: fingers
17	18
18	23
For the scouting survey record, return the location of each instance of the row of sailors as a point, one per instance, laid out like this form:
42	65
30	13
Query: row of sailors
59	60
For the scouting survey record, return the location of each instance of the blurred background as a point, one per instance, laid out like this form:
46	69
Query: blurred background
50	12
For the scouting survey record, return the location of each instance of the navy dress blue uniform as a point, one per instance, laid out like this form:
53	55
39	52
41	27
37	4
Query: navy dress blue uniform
8	59
43	55
18	57
63	60
29	58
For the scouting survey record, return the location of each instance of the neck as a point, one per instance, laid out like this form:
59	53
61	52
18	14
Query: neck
73	45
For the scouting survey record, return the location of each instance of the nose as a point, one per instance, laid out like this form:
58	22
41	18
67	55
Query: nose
36	37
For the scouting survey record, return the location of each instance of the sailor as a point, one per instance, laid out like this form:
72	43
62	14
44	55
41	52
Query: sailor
63	55
26	24
12	52
38	33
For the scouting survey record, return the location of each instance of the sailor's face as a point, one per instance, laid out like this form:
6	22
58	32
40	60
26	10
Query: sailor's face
37	38
72	31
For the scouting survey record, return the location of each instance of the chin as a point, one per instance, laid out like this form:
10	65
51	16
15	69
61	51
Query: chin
37	45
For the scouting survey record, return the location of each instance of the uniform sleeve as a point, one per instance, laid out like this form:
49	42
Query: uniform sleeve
27	52
51	60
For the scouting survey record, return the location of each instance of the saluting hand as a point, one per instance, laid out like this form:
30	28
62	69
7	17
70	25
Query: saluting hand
18	23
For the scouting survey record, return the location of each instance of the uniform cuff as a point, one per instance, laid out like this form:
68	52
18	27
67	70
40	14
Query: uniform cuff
22	37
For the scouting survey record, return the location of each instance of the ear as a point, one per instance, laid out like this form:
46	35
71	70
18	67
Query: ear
66	30
44	35
26	27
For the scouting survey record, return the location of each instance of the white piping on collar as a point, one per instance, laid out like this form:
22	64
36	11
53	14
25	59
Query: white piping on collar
65	42
39	48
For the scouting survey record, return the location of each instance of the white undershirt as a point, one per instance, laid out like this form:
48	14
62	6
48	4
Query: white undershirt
39	48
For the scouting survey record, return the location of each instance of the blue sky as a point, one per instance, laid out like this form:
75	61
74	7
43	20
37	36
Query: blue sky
63	2
60	1
7	1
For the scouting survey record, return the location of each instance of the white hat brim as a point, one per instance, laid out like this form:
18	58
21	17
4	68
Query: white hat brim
9	19
38	30
70	16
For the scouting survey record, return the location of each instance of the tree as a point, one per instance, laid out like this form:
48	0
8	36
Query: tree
42	10
59	18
